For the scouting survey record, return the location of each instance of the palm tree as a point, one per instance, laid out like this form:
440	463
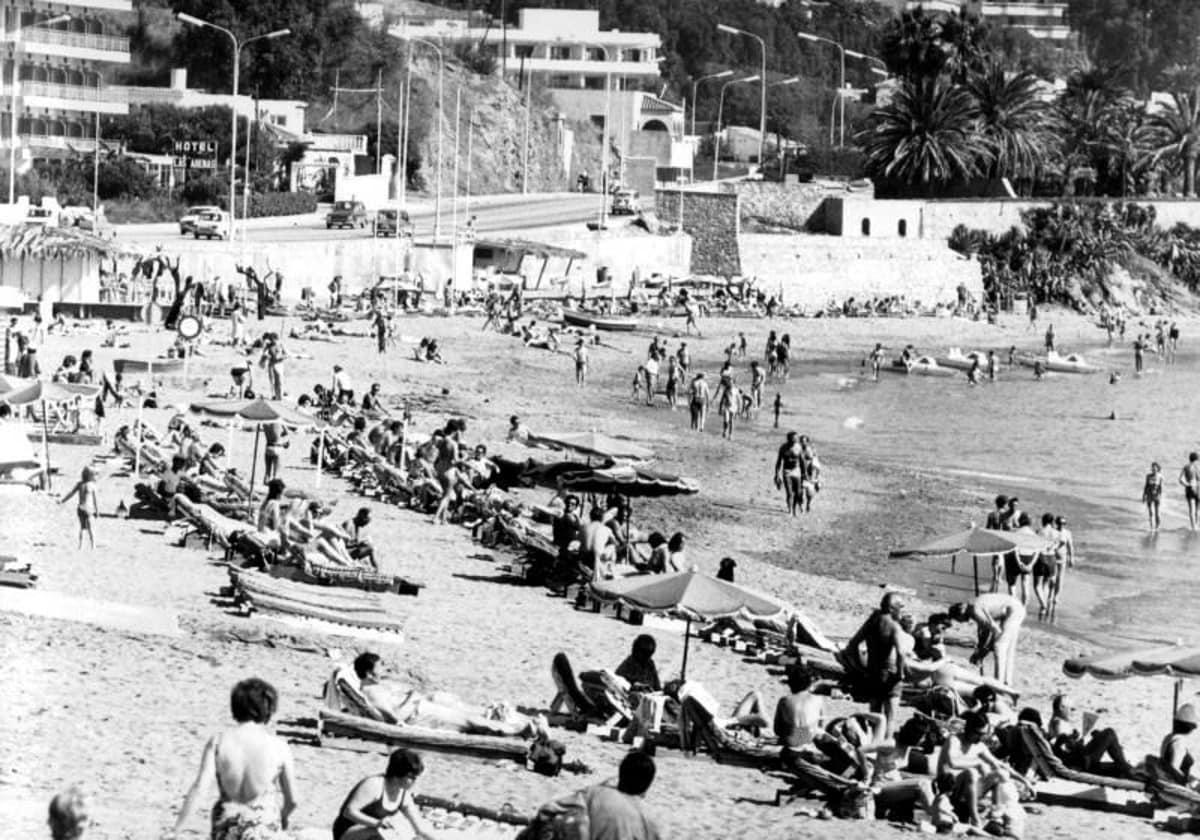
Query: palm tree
925	137
1174	134
1093	109
1014	119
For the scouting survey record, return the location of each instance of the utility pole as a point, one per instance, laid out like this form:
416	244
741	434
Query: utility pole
525	146
379	122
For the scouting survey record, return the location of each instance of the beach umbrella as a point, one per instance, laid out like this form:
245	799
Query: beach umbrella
690	595
257	412
16	452
37	391
1178	661
593	444
978	542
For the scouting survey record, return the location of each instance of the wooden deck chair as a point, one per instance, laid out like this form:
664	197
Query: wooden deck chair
1050	766
573	699
699	729
1166	791
343	694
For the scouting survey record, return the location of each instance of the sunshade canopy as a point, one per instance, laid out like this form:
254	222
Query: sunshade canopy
976	541
593	444
257	411
691	595
36	390
16	452
1172	660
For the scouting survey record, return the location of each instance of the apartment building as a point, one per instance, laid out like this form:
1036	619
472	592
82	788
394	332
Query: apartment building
285	114
1044	19
54	71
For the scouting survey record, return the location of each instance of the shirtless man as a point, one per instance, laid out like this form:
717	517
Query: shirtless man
758	378
698	399
597	543
886	661
993	365
581	363
249	764
998	619
876	359
1189	477
967	768
789	472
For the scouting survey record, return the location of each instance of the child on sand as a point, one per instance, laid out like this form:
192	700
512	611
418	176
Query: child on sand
88	507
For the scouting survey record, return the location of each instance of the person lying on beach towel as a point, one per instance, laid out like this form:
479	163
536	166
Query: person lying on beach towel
406	705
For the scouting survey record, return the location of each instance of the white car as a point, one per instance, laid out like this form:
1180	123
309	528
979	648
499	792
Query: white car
211	225
187	221
41	216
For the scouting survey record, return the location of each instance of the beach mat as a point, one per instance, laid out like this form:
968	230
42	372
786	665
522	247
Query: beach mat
107	614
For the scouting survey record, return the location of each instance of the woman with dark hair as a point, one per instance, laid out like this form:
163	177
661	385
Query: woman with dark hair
676	558
639	667
252	767
368	810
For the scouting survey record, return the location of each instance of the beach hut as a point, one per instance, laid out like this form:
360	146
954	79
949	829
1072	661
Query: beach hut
58	265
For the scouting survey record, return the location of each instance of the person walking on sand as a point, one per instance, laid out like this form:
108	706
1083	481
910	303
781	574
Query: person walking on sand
998	618
1050	339
1189	477
690	310
876	360
698	399
758	378
674	373
685	359
581	363
88	508
380	324
789	472
1152	495
251	766
1139	358
778	406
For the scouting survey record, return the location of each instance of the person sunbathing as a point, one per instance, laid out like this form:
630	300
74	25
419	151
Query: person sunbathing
1097	752
639	668
311	528
405	705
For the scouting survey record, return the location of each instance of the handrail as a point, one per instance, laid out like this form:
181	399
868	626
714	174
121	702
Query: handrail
58	37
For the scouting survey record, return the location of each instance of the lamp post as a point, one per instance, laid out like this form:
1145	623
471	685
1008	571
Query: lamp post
808	36
16	81
724	74
720	113
237	60
762	117
437	199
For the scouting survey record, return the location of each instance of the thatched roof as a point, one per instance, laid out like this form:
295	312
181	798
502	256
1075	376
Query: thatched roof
46	242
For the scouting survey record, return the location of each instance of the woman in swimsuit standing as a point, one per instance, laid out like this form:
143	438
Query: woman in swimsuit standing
789	472
370	806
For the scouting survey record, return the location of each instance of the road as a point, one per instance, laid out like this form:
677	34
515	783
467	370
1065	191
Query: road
494	214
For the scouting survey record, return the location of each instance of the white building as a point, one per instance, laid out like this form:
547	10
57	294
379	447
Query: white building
1043	19
591	72
286	114
57	92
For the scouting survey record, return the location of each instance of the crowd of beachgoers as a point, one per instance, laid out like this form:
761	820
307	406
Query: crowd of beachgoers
892	724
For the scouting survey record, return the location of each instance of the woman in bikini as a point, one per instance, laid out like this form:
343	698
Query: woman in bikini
252	767
369	808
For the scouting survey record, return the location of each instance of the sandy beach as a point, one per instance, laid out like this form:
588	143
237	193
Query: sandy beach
124	712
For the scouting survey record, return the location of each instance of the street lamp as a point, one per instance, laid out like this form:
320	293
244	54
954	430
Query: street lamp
16	80
720	110
762	117
237	60
724	74
808	36
437	201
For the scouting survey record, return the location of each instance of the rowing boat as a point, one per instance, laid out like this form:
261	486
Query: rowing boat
610	323
958	360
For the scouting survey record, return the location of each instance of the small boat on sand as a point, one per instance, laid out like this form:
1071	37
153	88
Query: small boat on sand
160	366
609	323
958	360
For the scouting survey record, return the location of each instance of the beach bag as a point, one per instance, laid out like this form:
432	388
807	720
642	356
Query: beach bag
562	819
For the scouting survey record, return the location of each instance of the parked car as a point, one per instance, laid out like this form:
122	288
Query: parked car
211	225
626	202
349	214
188	220
43	216
392	222
81	217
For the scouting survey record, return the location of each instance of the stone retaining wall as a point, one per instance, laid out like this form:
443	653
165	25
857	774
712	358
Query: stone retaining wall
712	219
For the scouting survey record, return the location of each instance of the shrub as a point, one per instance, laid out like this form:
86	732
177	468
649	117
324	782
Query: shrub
281	204
205	190
131	211
477	60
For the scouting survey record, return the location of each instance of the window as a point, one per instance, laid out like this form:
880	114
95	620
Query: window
594	83
560	82
866	227
902	228
598	121
560	53
597	54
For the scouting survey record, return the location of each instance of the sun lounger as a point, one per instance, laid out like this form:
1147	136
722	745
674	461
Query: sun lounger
348	713
329	574
1050	767
351	607
593	701
698	730
209	522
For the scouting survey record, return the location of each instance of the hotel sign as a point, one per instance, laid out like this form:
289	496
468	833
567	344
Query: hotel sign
195	154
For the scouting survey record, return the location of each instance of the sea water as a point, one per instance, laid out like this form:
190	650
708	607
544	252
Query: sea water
1070	444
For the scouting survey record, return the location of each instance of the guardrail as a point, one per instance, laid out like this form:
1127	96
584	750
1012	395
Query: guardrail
78	40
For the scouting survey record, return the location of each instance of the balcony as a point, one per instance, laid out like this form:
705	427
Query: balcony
86	47
72	97
50	141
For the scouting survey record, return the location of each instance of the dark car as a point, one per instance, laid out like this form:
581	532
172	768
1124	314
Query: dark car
392	222
349	214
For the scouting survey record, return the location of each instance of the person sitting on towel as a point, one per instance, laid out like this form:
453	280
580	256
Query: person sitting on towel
359	544
639	668
406	705
326	537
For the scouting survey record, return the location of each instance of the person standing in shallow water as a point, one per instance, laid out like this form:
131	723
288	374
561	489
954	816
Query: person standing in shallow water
1152	495
1189	477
